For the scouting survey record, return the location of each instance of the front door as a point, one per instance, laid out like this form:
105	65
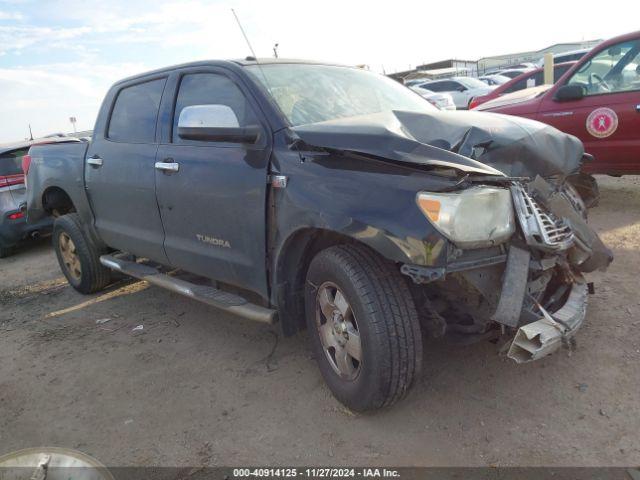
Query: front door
607	119
120	173
213	204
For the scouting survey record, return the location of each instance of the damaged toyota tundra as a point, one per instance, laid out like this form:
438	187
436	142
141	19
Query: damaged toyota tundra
331	199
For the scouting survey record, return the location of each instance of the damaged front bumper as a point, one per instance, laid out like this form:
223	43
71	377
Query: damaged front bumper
542	337
532	286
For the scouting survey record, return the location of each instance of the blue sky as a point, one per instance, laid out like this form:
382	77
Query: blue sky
58	57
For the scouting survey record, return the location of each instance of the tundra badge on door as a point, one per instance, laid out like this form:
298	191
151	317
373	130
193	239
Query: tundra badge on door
217	242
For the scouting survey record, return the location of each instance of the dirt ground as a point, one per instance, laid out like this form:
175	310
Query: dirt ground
199	387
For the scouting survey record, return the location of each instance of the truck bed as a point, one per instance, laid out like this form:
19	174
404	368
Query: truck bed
55	167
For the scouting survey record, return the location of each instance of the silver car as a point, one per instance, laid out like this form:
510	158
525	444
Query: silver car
13	225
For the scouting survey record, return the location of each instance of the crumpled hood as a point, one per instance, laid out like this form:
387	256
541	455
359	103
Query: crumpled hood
473	142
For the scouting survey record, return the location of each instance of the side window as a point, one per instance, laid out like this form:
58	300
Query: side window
134	114
538	79
519	85
434	86
615	69
558	72
211	89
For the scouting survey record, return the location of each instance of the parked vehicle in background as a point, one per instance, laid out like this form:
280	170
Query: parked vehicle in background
13	225
354	208
494	80
571	56
512	72
461	89
413	82
526	65
597	100
529	79
443	101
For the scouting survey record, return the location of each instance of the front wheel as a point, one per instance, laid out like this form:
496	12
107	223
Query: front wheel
363	326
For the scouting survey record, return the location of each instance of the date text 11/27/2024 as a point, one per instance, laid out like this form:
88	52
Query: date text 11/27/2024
316	472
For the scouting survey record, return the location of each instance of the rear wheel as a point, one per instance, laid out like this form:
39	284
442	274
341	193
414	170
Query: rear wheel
363	326
78	255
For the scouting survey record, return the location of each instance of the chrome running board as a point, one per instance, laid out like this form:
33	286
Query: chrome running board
226	301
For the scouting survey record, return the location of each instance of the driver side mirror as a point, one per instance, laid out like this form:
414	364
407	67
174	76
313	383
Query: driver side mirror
461	88
569	92
214	123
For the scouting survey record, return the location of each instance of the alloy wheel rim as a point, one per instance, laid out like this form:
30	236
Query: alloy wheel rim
338	331
69	256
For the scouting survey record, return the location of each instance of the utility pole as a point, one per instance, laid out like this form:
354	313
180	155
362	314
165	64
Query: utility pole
73	122
275	50
30	133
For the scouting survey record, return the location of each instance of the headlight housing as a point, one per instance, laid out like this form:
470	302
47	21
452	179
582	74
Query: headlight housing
472	218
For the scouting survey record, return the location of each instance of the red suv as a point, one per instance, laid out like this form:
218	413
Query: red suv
598	101
529	79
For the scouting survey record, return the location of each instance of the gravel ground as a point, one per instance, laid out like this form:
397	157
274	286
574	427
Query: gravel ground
199	387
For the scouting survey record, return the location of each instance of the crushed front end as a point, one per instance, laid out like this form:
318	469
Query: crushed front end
528	285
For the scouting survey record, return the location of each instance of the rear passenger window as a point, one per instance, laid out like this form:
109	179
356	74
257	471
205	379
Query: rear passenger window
211	89
135	112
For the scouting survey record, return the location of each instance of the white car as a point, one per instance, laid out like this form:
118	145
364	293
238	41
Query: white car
494	79
443	101
461	89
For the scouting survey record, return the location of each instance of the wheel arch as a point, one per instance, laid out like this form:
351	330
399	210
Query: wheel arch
56	201
291	266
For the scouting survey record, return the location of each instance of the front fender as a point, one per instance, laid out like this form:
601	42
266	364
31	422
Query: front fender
367	200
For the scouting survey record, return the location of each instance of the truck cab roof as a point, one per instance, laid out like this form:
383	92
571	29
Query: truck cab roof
231	63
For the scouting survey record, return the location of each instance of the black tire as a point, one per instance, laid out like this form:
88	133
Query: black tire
93	276
5	252
387	325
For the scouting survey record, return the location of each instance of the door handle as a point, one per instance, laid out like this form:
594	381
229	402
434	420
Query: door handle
94	161
168	166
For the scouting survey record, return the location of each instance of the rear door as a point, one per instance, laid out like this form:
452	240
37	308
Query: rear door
213	207
120	173
607	119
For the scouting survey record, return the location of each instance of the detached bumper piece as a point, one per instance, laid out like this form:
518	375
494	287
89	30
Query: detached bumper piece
538	339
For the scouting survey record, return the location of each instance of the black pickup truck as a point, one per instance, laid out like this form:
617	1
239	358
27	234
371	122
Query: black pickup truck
333	199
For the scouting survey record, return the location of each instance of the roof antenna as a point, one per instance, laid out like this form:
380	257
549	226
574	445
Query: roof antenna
254	57
245	36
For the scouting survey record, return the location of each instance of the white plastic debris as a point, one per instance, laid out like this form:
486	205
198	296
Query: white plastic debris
139	328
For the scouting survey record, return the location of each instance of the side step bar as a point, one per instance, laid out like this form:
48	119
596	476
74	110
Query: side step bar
226	301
